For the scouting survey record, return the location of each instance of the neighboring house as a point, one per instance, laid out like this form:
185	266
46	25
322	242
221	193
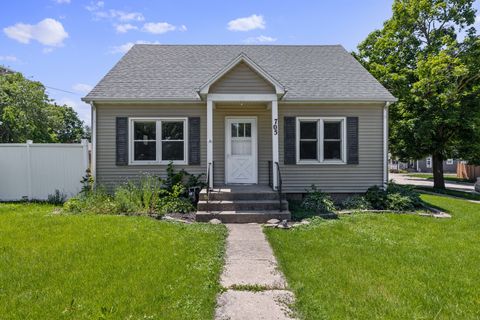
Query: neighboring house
425	165
237	111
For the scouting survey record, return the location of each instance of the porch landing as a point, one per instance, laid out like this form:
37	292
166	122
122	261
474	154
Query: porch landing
241	204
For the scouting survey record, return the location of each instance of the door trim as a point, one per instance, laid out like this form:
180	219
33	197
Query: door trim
254	142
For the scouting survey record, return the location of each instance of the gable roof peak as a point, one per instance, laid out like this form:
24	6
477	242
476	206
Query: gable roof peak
242	57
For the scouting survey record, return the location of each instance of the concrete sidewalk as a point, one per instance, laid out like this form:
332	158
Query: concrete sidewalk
256	289
400	178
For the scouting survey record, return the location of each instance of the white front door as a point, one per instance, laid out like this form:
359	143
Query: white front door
241	150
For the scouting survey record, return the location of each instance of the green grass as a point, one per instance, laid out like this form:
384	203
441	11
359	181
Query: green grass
450	192
105	267
385	266
429	176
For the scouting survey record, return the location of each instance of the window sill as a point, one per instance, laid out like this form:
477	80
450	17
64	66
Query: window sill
156	163
321	162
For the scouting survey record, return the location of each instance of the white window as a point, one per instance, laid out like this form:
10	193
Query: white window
429	162
158	141
321	140
450	161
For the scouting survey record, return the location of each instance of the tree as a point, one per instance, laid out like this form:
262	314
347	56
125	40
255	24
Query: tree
63	124
428	55
22	109
27	113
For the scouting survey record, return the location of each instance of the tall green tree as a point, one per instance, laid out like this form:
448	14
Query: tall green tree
27	113
64	125
428	55
22	109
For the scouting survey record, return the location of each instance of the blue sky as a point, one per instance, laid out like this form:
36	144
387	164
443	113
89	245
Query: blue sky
71	44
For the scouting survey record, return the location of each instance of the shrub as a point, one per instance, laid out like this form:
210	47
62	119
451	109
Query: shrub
318	202
172	201
57	198
139	197
396	197
356	202
96	201
376	197
406	191
398	202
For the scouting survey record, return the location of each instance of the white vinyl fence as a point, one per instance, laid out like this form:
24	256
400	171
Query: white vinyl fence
35	170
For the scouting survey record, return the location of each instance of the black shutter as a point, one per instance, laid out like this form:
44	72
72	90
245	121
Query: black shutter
289	141
194	141
122	141
352	140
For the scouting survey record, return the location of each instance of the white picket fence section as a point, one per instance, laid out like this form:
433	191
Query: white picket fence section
35	170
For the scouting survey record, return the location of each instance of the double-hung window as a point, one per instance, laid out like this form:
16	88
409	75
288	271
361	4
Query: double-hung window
158	141
321	140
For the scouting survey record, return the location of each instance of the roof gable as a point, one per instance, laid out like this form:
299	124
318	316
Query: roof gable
239	61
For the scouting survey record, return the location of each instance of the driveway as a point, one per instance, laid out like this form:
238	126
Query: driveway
400	178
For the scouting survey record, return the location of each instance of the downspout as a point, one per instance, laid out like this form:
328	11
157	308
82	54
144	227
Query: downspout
93	124
385	145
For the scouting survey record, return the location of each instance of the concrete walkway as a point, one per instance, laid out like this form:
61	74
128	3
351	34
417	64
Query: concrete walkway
256	289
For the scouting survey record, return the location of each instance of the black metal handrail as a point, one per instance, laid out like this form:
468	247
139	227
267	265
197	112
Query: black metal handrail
280	185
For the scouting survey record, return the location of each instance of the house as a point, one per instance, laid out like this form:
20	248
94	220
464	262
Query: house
425	165
284	116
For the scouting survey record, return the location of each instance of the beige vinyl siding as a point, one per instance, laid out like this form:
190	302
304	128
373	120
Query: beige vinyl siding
296	178
108	173
264	139
338	178
241	79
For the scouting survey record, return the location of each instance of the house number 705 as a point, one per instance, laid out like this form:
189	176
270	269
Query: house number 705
275	127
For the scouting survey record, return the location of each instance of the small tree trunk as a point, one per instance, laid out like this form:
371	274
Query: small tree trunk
437	165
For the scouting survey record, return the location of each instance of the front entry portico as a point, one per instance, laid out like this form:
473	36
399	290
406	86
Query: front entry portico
241	138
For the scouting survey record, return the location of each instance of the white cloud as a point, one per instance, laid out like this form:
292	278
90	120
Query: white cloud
62	1
123	28
48	32
183	28
82	88
158	27
247	23
9	58
47	50
94	6
126	16
126	46
260	39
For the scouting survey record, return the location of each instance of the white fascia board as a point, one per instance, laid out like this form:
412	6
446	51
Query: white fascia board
227	97
279	89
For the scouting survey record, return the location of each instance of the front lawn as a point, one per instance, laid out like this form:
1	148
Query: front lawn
385	266
105	267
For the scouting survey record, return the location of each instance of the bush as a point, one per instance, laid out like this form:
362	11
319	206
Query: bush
406	191
57	198
396	197
96	201
398	202
173	202
356	202
318	202
376	197
148	195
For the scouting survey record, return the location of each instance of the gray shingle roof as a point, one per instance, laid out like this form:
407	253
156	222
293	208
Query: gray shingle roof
175	72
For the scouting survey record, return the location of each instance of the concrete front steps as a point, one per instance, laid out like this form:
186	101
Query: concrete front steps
241	204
